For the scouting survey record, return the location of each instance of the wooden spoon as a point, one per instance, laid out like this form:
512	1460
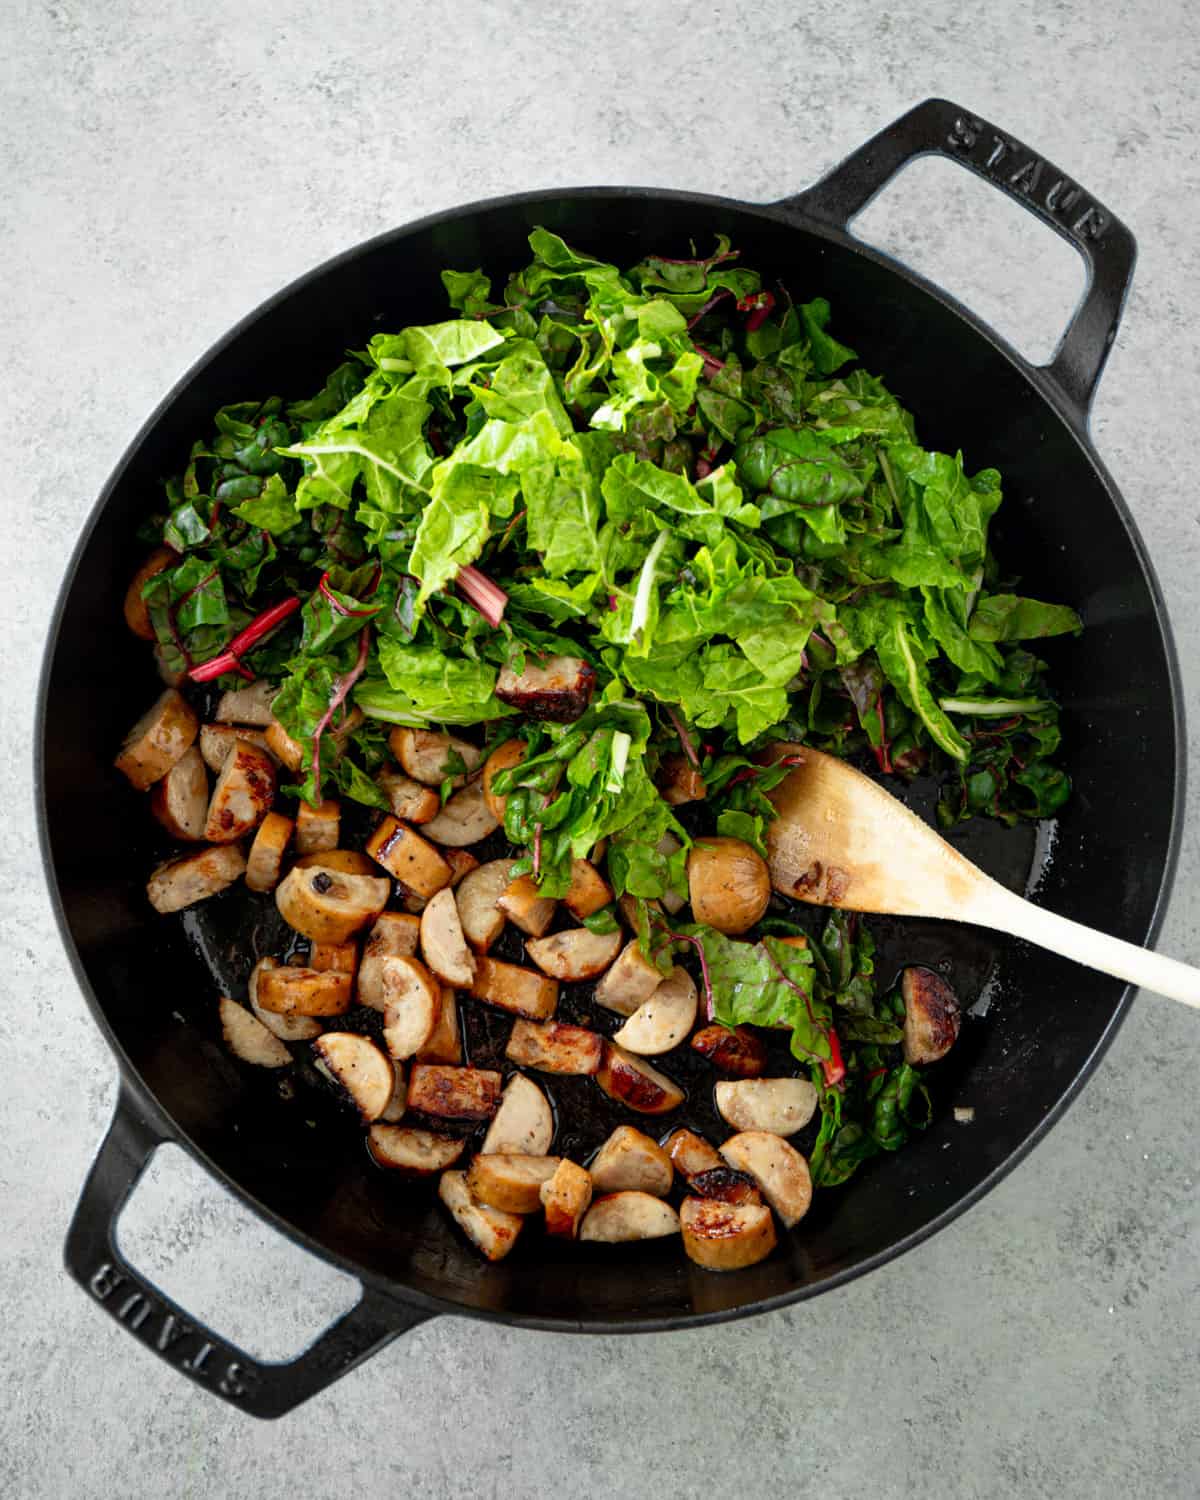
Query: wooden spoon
841	840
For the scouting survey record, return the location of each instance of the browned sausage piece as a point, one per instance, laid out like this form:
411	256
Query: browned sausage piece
217	740
180	800
194	877
411	800
453	1093
525	907
340	956
327	906
554	1047
158	740
461	862
588	891
476	897
690	1153
738	1052
429	757
394	935
264	864
679	781
317	827
445	1040
726	1184
565	1198
726	1236
631	1161
360	1069
557	688
575	953
931	1016
137	612
633	1082
513	1183
514	989
342	861
248	1039
416	1153
289	990
490	1230
618	1218
408	858
248	705
287	751
778	1169
503	758
243	794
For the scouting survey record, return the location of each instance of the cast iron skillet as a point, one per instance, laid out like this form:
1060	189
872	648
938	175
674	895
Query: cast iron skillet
150	983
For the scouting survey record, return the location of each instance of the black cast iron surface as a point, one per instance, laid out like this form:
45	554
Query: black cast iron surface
151	983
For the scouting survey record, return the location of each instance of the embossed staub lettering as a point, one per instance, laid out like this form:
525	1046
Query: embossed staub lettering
170	1335
1022	173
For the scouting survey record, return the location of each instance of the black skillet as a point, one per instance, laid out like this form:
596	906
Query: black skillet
150	982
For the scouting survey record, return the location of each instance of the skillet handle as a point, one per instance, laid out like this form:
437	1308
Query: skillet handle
937	127
261	1389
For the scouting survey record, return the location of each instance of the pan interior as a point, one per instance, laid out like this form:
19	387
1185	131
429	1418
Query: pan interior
1040	1021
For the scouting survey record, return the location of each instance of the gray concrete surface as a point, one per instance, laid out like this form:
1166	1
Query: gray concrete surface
162	168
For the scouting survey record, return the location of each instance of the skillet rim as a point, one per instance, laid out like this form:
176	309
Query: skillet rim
790	213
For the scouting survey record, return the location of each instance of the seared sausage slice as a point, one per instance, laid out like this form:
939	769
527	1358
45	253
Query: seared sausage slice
410	800
157	740
726	1236
291	991
726	1184
588	891
427	757
476	897
523	1123
408	858
525	907
327	906
461	862
412	1004
248	705
565	1198
394	935
443	945
317	827
738	1052
931	1016
243	794
339	861
554	1047
137	611
618	1218
631	980
514	989
445	1040
465	819
180	800
194	877
359	1068
288	1028
631	1162
728	883
557	688
490	1230
287	751
503	758
663	1021
690	1153
416	1153
575	953
513	1183
398	1103
779	1170
779	1105
340	956
633	1082
264	864
217	740
453	1093
248	1039
679	781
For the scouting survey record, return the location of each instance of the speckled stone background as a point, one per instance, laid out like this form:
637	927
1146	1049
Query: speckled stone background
165	166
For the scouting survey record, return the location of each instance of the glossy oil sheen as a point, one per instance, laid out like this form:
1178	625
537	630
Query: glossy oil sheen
1062	525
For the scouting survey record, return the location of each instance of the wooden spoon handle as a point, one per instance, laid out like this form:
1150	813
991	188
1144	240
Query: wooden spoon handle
993	906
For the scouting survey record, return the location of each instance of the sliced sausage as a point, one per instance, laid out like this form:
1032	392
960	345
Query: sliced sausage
728	883
554	1047
566	1197
726	1236
555	688
634	1083
931	1016
317	827
408	858
629	1161
679	781
629	982
663	1021
217	740
180	800
342	861
411	801
779	1105
158	740
476	897
690	1153
427	757
726	1184
453	1093
248	1039
242	796
287	751
588	891
503	758
525	906
778	1169
340	956
137	611
416	1153
247	705
461	862
465	819
288	1028
445	1040
398	1103
443	945
194	877
575	953
291	991
524	1123
327	906
359	1068
737	1052
513	1183
264	864
519	991
490	1230
394	935
618	1218
412	1004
